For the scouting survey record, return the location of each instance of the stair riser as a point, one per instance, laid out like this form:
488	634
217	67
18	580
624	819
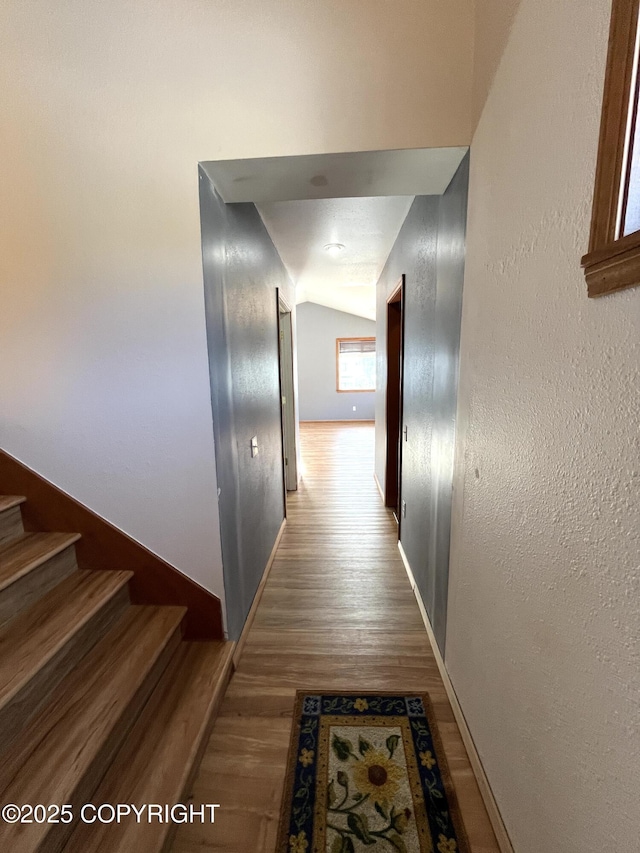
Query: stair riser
27	589
25	704
10	524
58	834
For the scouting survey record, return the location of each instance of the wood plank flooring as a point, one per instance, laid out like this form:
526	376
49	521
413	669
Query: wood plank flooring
337	613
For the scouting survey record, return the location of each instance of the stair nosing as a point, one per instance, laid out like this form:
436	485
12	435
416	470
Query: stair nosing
14	500
123	578
36	562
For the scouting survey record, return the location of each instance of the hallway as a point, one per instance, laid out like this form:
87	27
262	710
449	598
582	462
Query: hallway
337	613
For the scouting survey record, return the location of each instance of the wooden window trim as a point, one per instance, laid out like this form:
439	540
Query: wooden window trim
346	390
613	262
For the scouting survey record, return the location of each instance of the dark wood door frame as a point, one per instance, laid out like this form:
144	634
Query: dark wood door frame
280	299
395	359
287	394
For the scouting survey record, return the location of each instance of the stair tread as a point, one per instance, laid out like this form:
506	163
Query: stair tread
155	761
21	555
58	747
33	638
9	501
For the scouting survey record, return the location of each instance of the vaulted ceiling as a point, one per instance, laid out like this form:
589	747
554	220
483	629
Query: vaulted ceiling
307	232
352	202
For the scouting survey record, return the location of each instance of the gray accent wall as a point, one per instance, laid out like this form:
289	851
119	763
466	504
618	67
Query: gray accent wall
430	251
242	270
318	328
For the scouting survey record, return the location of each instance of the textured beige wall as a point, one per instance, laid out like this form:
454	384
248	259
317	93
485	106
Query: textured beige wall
543	641
106	110
492	23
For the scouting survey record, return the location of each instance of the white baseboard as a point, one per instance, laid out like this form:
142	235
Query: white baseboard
375	477
256	599
474	759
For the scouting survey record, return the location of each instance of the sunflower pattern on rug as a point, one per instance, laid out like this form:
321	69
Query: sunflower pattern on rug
367	772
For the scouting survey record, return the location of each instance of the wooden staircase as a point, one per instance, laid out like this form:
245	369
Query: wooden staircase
101	701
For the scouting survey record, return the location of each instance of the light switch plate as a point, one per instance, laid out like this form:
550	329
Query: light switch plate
254	446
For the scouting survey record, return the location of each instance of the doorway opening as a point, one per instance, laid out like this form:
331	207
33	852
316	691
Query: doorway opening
287	398
395	338
335	232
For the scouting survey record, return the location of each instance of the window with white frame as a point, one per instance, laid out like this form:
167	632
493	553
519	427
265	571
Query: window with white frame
356	364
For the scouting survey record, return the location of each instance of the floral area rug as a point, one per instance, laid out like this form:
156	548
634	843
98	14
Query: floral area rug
368	773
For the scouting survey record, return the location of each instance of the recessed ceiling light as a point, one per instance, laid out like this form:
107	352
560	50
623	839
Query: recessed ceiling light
334	248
